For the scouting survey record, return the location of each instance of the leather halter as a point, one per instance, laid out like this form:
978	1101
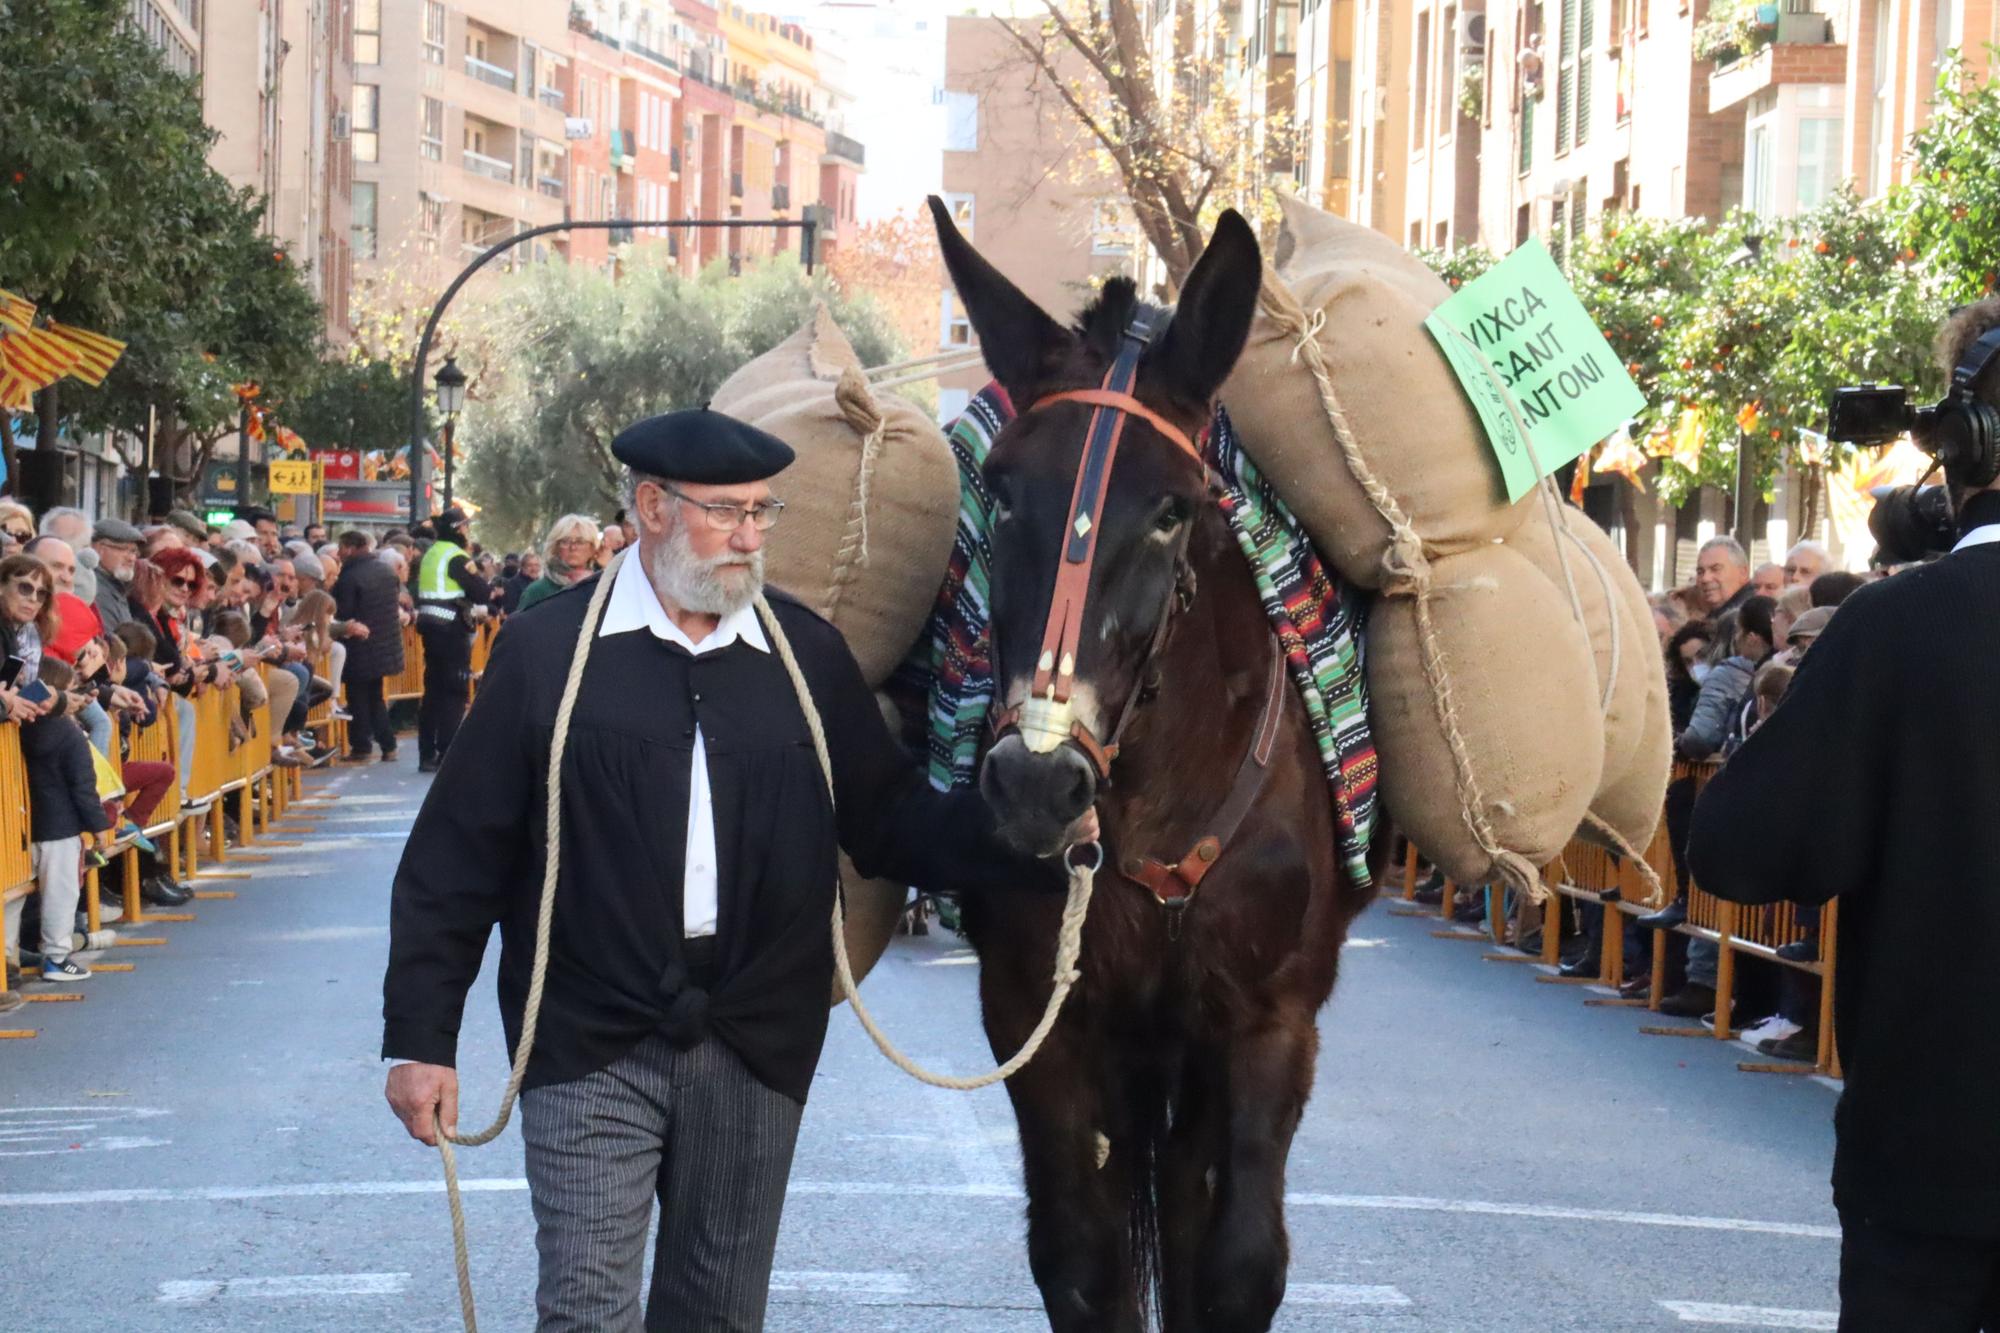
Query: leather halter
1044	719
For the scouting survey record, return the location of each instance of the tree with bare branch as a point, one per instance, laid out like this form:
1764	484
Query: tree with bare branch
1172	100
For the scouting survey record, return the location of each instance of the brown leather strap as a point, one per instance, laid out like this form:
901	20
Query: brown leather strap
1126	403
1174	885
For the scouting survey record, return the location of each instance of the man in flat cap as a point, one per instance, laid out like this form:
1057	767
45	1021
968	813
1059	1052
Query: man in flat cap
448	591
690	955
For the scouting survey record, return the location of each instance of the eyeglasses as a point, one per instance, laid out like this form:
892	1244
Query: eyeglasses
28	588
575	541
728	518
187	585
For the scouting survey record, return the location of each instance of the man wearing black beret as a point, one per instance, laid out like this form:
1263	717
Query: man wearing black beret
691	953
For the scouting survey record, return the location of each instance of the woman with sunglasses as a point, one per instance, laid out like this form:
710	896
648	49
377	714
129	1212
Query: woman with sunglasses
27	621
17	527
162	590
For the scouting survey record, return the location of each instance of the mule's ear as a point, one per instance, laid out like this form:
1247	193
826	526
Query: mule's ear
1021	343
1212	320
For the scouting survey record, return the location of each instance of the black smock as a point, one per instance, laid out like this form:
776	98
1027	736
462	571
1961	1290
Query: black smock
616	971
1878	780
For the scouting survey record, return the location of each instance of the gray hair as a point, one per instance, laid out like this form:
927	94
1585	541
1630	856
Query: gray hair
1810	547
1729	545
570	525
85	586
247	552
60	513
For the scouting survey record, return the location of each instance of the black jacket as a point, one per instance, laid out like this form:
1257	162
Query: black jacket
368	591
62	781
616	971
1878	780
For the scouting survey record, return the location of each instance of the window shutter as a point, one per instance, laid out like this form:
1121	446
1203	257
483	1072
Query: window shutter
1527	134
1565	106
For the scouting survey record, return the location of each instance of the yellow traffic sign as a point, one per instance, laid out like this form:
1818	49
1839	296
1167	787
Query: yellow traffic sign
294	477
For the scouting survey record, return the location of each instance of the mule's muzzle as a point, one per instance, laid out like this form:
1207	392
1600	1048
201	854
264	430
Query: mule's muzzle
1036	797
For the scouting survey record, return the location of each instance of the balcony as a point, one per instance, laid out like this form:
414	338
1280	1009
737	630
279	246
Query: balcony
493	168
551	186
551	98
848	150
649	54
781	198
487	72
1779	63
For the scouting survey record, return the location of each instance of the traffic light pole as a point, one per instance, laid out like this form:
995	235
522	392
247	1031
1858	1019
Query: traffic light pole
808	226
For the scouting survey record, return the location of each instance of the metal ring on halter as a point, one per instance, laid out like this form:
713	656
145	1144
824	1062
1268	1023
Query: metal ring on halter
1095	847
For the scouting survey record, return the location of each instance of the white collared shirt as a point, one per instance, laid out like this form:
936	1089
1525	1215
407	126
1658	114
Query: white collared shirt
633	605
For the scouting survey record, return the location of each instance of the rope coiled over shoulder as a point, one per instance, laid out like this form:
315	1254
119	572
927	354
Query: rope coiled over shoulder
1069	944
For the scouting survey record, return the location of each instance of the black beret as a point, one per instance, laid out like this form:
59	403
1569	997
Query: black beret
701	446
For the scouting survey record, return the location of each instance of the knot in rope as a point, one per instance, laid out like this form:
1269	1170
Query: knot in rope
1308	334
1406	570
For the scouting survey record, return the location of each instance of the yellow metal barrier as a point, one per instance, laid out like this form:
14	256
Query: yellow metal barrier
17	865
409	682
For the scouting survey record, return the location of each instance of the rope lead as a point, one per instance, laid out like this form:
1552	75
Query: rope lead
1069	941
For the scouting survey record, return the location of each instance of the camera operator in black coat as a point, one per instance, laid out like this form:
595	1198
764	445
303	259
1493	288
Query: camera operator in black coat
1878	780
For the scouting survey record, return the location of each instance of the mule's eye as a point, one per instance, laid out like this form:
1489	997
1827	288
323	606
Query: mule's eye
1175	514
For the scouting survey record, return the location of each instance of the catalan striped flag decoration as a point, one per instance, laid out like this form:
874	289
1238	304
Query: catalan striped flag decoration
17	313
30	362
96	353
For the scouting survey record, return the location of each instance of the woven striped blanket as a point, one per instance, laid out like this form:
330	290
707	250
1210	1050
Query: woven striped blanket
1317	621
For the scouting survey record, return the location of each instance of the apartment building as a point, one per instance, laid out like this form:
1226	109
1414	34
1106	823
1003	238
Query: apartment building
1019	181
458	131
281	116
1323	141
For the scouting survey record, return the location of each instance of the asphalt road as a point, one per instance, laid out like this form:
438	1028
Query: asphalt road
202	1144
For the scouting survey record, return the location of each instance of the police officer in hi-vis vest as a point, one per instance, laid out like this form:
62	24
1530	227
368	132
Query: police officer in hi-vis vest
447	592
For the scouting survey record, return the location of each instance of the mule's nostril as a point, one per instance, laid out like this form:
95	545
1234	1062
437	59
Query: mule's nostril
1082	791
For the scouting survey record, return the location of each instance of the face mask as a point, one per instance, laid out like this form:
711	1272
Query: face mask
1700	671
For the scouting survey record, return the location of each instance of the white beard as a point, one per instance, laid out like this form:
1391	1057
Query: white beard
718	586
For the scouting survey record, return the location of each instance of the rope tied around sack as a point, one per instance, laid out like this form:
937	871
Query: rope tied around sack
857	405
1406	572
1069	940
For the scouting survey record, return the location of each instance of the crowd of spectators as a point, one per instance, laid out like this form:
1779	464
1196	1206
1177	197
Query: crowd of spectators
104	625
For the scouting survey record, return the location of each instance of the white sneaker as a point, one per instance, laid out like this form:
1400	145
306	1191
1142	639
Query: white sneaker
1775	1028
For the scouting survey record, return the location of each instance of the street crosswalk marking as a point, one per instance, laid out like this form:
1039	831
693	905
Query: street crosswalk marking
296	1286
909	1190
1342	1293
1750	1316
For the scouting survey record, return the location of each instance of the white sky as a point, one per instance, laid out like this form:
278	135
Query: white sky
894	51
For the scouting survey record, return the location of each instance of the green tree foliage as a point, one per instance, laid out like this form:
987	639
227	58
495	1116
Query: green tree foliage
582	357
1952	205
1640	278
1460	266
359	404
111	219
1830	298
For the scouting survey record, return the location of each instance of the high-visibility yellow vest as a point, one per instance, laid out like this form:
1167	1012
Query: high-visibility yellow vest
434	580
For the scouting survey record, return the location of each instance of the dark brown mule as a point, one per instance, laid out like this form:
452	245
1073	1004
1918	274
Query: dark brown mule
1156	1120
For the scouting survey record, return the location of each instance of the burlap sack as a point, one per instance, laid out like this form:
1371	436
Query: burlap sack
1630	675
818	351
1523	703
1348	300
871	504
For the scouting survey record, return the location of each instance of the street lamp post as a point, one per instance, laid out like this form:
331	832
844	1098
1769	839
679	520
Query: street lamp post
807	226
451	397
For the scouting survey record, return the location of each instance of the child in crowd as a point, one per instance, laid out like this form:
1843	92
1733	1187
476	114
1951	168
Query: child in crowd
63	813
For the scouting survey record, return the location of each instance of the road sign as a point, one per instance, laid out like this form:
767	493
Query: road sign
294	477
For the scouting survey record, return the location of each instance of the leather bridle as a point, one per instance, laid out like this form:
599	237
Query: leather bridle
1046	719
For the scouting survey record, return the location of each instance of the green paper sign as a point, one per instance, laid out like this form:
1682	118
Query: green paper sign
1544	382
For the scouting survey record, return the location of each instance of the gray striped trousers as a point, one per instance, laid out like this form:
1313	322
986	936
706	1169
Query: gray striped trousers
697	1131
